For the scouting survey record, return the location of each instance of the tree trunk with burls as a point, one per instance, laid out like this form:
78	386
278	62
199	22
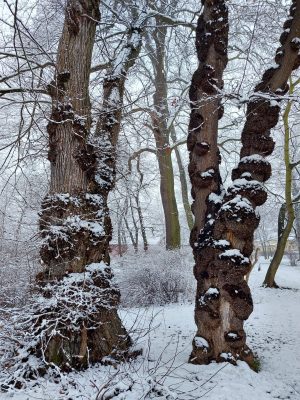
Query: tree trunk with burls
206	110
76	316
225	242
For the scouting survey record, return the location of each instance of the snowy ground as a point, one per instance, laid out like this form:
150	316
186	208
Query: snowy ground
166	334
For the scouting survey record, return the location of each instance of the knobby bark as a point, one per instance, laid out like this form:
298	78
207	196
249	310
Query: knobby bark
79	323
108	125
206	110
225	243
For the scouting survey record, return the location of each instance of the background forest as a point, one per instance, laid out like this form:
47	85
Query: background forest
111	191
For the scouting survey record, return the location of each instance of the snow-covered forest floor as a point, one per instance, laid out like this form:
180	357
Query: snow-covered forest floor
165	335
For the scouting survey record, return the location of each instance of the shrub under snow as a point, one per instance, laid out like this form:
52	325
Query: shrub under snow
156	277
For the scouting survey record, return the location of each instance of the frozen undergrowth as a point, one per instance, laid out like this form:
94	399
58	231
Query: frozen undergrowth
165	334
157	277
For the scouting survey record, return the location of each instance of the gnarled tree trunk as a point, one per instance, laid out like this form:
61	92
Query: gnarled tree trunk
78	322
225	243
211	44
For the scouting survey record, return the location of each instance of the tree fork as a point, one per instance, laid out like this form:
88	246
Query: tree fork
225	242
76	316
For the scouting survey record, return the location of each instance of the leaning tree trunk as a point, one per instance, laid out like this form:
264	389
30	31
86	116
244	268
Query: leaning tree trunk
78	322
297	217
225	243
284	227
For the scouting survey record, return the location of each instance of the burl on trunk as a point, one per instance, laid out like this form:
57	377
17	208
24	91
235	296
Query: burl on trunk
76	312
225	222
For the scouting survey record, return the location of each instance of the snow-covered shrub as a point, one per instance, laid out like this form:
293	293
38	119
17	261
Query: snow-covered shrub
157	277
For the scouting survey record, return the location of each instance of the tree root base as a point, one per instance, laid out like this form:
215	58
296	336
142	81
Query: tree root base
246	355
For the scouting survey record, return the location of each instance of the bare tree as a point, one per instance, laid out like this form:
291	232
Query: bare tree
223	237
78	322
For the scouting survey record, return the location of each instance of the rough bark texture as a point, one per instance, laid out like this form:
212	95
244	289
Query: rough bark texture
79	321
206	110
225	243
211	44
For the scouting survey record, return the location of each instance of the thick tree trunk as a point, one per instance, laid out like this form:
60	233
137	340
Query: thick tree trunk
79	321
225	243
206	110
